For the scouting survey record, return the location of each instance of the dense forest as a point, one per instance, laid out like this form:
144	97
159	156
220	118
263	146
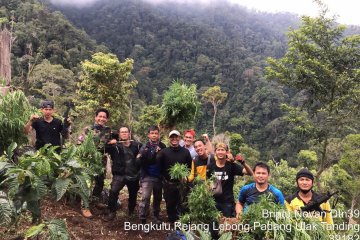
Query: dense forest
220	45
281	87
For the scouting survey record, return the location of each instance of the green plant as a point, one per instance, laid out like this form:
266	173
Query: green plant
179	171
15	111
267	220
2	80
7	213
72	178
201	205
54	229
180	104
88	155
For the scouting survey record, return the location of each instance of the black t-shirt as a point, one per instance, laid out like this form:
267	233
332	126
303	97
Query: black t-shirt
227	175
167	158
47	132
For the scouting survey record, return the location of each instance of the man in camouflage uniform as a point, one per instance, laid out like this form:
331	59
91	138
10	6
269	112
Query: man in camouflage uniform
101	136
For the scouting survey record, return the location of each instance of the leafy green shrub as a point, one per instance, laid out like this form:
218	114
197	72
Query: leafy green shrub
279	223
54	230
7	212
201	204
15	111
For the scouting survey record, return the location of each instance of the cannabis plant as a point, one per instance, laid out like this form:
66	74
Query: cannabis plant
201	204
89	156
179	171
281	224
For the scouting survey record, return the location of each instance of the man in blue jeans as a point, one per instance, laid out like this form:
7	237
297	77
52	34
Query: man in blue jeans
150	180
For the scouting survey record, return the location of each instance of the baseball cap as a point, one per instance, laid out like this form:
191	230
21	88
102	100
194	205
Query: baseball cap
191	131
47	104
174	132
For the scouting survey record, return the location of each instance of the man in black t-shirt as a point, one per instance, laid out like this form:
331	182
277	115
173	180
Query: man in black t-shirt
48	129
226	170
167	158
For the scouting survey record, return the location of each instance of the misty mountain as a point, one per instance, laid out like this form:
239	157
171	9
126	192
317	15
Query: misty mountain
217	44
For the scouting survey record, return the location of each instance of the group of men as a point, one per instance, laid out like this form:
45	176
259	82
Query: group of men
135	165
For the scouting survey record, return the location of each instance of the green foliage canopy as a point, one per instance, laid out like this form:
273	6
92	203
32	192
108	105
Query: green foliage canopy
325	65
15	111
105	82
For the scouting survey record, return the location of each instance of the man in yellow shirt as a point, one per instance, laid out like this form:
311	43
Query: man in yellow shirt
305	195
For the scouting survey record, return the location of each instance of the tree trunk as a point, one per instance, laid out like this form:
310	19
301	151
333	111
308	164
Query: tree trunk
215	111
322	163
5	53
353	204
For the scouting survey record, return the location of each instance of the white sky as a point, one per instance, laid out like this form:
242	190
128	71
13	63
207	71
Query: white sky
347	11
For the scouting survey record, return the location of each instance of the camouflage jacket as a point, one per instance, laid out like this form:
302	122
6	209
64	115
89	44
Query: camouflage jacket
101	135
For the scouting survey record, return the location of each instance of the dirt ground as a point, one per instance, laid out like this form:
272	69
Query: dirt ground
95	228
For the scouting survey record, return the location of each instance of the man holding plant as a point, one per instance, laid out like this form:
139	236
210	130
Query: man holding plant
166	159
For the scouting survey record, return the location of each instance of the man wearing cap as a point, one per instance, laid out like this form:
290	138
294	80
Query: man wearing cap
189	137
188	142
48	129
167	158
305	194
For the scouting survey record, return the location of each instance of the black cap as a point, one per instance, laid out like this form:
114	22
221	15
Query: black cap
47	104
304	172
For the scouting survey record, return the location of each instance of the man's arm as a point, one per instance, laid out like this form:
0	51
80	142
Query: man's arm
247	169
208	144
28	125
239	209
192	173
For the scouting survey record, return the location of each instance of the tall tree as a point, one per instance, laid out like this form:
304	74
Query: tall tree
105	82
323	64
350	162
51	81
214	96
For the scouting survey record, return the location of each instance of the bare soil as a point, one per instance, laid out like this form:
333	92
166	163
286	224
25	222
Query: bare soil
94	228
